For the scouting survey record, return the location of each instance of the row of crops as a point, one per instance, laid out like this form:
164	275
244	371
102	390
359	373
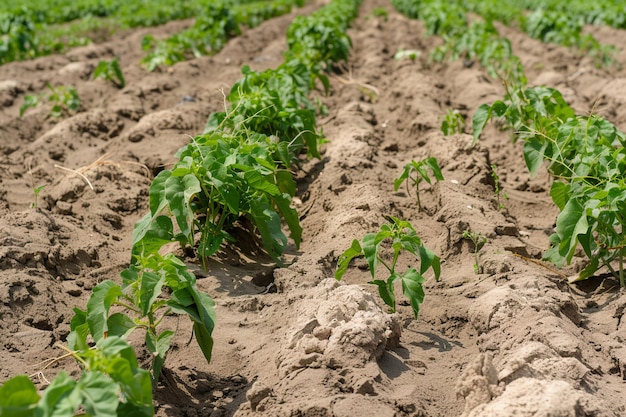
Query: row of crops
241	167
42	29
584	154
36	28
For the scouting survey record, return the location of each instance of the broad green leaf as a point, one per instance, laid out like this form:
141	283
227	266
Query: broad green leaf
120	324
283	202
429	259
60	398
178	193
434	166
151	233
559	192
285	182
570	223
18	397
258	182
269	226
385	289
204	340
158	200
158	346
79	330
403	177
534	151
99	394
150	289
201	309
102	297
588	271
412	288
345	258
203	328
370	251
479	120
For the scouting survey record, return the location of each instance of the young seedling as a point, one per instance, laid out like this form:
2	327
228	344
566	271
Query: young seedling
37	191
62	98
142	295
453	123
373	247
411	54
379	12
498	192
415	172
110	70
479	240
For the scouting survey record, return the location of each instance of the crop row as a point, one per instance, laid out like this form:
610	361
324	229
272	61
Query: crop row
599	12
211	30
40	28
585	154
239	170
446	19
550	25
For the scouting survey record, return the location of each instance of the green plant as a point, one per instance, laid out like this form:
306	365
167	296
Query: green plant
153	288
110	70
37	190
63	98
479	240
111	384
453	123
586	156
416	172
396	236
411	54
379	12
498	192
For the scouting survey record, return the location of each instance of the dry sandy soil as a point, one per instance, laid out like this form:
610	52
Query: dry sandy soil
514	339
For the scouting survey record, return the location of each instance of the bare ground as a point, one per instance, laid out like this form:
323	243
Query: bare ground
513	340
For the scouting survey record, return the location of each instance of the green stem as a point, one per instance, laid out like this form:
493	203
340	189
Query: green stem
419	203
621	268
385	265
131	307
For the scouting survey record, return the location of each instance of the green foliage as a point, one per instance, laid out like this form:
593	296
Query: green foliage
397	236
63	98
565	29
153	287
411	54
111	385
110	70
36	191
586	154
379	12
453	123
479	240
415	172
208	34
218	179
215	25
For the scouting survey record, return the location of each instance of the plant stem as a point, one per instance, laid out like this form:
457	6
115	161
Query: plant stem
621	268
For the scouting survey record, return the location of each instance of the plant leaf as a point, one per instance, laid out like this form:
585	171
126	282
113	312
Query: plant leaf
102	297
345	258
18	397
412	288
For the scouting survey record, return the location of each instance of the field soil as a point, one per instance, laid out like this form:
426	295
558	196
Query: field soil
512	338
